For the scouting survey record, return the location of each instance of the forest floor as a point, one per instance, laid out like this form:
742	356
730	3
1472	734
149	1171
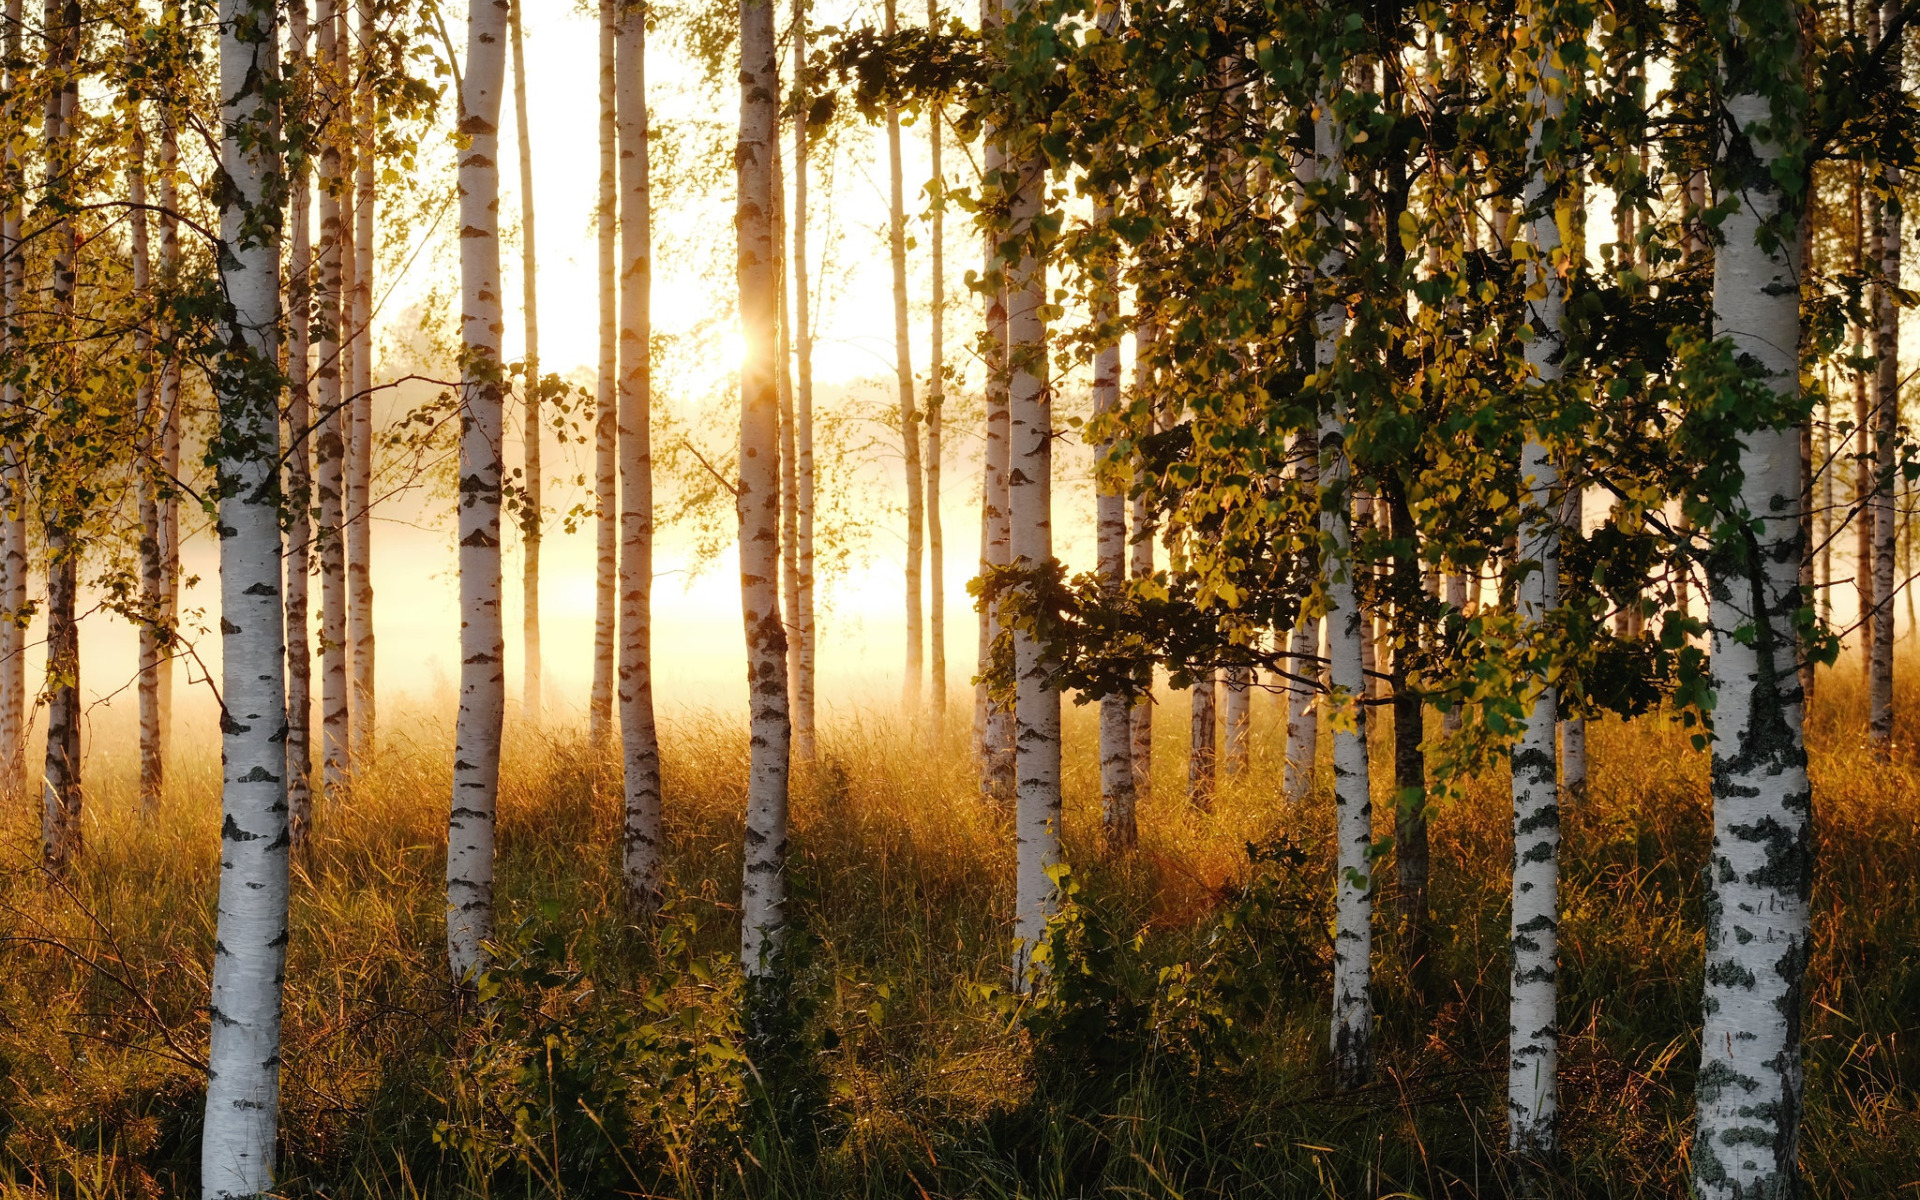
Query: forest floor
1188	1062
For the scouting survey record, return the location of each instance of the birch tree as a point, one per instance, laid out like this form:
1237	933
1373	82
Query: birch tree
994	719
639	740
476	752
936	408
803	631
606	412
530	518
763	895
299	471
1303	656
329	473
250	939
13	483
1110	520
1533	1028
1885	433
360	383
909	415
61	503
147	485
1324	179
1759	871
1036	737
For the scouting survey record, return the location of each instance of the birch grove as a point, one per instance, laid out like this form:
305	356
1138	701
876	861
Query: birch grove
1310	364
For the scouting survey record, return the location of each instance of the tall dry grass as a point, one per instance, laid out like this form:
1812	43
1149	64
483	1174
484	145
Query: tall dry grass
906	878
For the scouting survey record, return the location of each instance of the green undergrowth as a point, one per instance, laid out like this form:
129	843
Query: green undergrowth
1175	1049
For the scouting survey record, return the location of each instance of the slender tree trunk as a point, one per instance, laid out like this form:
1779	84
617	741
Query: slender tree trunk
997	775
789	442
1238	720
1454	596
250	941
299	474
1303	693
1411	855
640	746
1864	454
360	445
147	486
909	416
1352	1026
1030	510
167	617
1203	746
13	491
1885	433
530	519
1824	527
60	825
803	737
1110	518
1140	712
483	681
329	447
1573	728
606	414
1533	1026
763	899
1750	1093
936	406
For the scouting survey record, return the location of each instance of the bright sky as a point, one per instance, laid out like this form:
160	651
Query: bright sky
697	634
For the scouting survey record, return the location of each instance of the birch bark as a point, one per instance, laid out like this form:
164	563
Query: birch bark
1759	871
1533	1035
360	443
909	415
1110	519
763	895
640	747
483	683
60	821
1030	511
936	408
250	941
299	471
1885	432
329	477
606	412
530	518
1204	742
803	735
13	492
147	487
1352	1025
1303	658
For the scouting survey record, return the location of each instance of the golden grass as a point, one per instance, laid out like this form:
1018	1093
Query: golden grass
907	874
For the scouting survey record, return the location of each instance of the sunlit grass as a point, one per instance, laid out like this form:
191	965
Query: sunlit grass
905	873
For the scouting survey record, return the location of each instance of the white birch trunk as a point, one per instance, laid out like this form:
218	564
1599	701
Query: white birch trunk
1238	720
250	940
360	444
1203	746
299	473
936	406
1030	511
1303	657
1140	550
1886	435
152	761
168	402
763	892
13	492
803	735
1759	873
60	819
1351	1034
483	683
1533	1035
642	843
606	413
909	415
1110	519
996	531
530	432
329	472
